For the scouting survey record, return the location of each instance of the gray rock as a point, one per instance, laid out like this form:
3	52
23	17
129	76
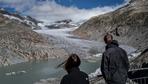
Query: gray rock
19	43
128	24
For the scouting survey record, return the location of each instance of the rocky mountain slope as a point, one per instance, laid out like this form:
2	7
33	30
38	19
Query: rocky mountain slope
128	24
19	43
141	61
27	20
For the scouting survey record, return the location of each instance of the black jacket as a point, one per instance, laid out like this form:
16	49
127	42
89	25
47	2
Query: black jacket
75	77
115	64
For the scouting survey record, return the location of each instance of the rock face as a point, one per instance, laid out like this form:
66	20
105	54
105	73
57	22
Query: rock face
27	20
19	43
128	24
141	61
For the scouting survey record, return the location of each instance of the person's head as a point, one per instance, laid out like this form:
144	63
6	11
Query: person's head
72	61
108	38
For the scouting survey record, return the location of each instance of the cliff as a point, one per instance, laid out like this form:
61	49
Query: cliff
128	24
19	43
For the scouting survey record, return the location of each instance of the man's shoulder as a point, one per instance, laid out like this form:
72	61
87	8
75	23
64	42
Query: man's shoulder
114	49
121	49
110	50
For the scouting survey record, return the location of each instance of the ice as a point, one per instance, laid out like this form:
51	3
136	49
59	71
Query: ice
96	73
15	73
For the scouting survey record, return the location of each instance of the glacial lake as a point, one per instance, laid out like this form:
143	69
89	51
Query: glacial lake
31	72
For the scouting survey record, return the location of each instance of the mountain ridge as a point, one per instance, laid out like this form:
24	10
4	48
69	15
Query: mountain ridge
19	43
127	24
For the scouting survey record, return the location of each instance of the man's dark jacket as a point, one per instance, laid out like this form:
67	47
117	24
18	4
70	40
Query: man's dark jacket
75	77
115	64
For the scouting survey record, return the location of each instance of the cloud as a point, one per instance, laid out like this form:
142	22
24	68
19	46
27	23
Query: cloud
51	11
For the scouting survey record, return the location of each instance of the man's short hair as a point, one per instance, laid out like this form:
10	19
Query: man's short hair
108	38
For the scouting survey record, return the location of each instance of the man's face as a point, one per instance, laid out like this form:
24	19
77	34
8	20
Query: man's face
108	39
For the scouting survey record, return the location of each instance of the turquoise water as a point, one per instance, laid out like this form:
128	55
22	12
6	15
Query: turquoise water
31	72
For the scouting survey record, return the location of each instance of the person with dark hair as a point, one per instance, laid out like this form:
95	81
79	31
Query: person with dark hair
114	64
108	38
74	76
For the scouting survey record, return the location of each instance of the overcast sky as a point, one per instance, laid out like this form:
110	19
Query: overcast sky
52	10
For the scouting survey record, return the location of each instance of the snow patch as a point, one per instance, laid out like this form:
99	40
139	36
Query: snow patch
42	26
25	20
96	73
98	55
134	55
12	17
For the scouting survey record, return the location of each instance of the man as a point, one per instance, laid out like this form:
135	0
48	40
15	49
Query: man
115	64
